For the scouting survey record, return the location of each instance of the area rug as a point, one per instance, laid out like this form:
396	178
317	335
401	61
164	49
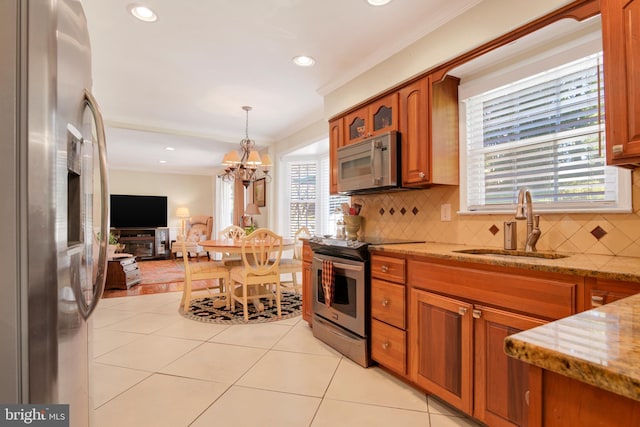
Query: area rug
203	310
162	271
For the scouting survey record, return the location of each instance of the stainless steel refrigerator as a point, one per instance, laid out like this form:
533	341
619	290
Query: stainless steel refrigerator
53	206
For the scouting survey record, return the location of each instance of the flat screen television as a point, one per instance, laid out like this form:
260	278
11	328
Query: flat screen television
128	211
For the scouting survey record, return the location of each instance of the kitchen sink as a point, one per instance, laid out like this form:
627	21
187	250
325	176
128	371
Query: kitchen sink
512	253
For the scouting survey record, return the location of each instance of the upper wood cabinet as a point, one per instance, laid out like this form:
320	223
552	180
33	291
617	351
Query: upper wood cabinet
375	118
429	132
336	140
621	44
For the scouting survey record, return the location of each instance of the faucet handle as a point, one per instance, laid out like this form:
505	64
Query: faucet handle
536	221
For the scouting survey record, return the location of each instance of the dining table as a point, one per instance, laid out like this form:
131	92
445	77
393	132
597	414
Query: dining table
234	246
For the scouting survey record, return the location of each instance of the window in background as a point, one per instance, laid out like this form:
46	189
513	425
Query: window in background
224	203
308	198
544	132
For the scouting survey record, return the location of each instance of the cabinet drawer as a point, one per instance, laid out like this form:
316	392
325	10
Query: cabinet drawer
605	291
387	268
388	302
388	346
130	267
128	261
547	296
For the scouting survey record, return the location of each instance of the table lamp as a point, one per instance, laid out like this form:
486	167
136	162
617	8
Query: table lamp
251	209
183	214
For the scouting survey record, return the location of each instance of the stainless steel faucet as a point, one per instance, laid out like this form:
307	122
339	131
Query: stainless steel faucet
533	221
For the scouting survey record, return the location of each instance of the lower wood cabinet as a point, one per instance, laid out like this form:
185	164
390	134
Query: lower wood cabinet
388	313
307	288
501	383
441	343
564	402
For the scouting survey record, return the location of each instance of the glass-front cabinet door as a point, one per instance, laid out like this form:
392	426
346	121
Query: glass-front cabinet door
378	117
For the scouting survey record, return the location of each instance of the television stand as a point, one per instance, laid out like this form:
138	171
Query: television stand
145	243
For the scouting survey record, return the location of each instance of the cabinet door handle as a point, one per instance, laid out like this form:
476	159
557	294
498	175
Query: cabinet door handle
421	175
526	396
384	269
597	300
617	149
385	302
462	311
476	314
385	345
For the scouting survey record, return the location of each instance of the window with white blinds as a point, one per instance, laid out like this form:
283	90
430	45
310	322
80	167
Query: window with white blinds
310	203
302	196
546	133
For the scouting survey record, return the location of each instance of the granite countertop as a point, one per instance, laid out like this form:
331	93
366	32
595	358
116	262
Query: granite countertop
600	266
600	347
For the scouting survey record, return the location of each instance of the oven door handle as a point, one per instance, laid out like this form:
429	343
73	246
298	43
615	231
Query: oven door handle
344	266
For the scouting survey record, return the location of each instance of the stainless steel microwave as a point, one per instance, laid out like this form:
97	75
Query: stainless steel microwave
369	165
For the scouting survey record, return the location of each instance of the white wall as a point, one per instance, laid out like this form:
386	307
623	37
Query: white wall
196	192
480	24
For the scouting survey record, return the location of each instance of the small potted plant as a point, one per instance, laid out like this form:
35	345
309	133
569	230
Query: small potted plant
112	244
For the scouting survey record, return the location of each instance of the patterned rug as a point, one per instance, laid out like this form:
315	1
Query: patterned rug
203	310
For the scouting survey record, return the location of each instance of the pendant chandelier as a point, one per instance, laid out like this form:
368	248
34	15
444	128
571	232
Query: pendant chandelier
246	166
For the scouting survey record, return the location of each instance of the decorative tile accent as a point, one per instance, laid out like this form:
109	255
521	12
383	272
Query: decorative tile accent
611	234
598	232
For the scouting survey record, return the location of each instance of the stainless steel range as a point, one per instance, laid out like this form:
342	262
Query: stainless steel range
342	320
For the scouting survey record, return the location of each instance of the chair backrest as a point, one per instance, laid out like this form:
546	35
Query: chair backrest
199	228
232	232
258	249
297	250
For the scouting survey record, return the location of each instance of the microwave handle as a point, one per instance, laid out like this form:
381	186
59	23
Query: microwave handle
376	162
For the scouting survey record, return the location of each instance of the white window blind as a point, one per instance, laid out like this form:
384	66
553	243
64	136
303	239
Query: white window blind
302	196
546	133
332	204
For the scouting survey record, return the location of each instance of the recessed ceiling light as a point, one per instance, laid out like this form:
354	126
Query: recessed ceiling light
163	161
304	61
169	148
378	2
143	13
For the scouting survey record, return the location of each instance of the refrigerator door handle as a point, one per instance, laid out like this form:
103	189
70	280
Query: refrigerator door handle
99	284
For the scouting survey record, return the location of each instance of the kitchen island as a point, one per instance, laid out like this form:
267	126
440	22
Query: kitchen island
587	366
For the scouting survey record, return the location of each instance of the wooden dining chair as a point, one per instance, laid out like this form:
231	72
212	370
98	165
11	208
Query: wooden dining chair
293	265
210	270
259	274
232	232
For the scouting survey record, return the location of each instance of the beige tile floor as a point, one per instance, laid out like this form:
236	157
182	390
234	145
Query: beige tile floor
153	367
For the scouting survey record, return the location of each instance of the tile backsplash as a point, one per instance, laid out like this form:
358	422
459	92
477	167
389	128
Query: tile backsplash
417	214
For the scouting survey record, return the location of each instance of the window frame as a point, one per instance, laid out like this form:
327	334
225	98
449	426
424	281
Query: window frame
513	72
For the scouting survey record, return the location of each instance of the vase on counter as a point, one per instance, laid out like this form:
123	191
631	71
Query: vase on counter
352	225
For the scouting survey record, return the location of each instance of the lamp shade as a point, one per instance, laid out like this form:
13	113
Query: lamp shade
266	160
182	213
254	158
231	158
252	209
